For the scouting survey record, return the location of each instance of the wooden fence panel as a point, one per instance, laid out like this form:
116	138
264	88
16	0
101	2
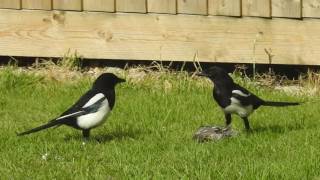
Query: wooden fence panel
311	8
162	6
10	4
193	7
99	5
139	6
260	8
37	4
173	38
287	8
225	7
75	5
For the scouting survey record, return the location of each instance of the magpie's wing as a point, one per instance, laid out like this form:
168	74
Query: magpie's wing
245	97
85	110
77	106
75	114
90	102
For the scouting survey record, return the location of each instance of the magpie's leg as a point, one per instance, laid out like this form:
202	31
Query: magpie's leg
86	134
228	120
246	123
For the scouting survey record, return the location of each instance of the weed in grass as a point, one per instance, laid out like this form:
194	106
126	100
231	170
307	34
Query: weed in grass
71	61
311	81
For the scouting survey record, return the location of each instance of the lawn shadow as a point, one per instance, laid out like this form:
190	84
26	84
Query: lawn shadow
277	128
115	135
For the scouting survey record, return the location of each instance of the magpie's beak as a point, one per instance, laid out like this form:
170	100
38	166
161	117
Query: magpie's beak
202	74
121	80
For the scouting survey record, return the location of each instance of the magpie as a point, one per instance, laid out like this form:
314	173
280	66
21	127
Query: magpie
234	99
91	110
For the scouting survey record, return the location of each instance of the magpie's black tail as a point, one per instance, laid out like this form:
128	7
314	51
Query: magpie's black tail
279	104
45	126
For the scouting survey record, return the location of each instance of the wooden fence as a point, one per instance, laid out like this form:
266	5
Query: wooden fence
238	31
260	8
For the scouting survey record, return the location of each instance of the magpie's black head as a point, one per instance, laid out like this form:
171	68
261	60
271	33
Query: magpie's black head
107	81
216	74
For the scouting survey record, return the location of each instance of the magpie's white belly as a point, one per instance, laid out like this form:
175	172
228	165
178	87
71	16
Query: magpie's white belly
236	108
95	119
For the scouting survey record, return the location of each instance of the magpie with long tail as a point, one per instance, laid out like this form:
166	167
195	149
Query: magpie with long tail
91	110
234	99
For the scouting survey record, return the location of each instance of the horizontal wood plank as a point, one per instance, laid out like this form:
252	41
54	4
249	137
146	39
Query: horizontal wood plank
149	37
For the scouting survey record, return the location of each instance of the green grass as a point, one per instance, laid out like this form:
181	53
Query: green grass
149	134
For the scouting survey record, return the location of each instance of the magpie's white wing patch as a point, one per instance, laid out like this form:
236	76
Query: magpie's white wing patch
94	99
91	102
71	115
237	108
240	93
91	120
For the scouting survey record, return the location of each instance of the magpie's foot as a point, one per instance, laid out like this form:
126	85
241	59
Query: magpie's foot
227	128
249	131
85	140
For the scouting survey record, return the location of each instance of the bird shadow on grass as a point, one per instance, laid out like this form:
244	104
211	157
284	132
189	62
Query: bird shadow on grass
117	136
277	128
112	136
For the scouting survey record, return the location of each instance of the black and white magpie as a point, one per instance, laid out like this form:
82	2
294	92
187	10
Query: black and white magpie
91	110
234	99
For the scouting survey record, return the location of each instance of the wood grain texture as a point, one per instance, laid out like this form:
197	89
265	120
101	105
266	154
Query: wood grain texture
149	37
193	7
10	4
99	5
162	6
75	5
260	8
225	7
287	8
37	4
139	6
311	8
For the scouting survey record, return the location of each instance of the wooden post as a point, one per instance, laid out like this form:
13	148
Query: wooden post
287	8
75	5
311	8
162	6
139	6
259	8
10	4
193	7
225	7
99	5
37	4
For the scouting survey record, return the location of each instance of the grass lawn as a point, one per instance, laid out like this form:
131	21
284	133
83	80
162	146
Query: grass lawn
149	133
